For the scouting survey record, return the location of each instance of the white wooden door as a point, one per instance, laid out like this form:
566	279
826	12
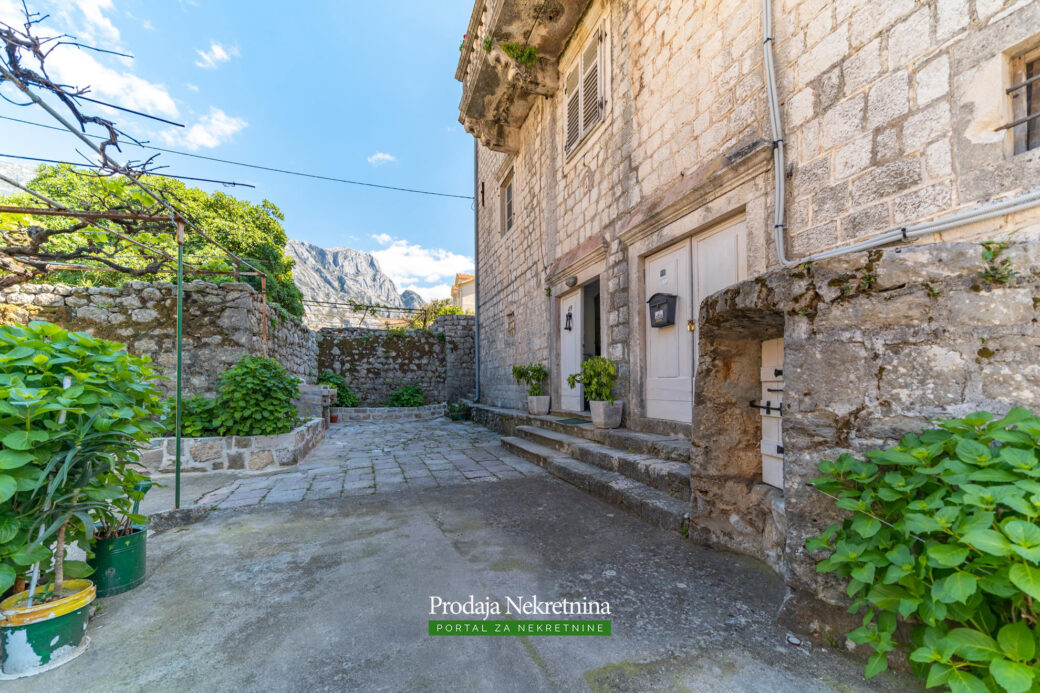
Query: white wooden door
669	350
718	259
570	351
772	417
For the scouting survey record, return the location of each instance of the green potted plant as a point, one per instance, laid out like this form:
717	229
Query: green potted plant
597	375
73	411
120	549
534	375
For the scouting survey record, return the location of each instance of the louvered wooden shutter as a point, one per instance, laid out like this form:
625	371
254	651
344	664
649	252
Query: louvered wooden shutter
590	85
573	107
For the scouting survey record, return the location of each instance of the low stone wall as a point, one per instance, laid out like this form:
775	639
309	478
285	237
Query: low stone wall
376	363
379	414
221	324
252	453
875	345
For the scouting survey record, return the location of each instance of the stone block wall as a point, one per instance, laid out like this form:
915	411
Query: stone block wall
875	345
221	324
376	362
889	113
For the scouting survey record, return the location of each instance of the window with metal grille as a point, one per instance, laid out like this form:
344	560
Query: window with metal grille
585	92
507	203
1025	103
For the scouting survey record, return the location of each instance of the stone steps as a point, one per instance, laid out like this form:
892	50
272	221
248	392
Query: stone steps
673	448
651	504
668	476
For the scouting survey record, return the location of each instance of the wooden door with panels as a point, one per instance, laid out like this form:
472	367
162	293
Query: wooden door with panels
690	270
771	410
571	350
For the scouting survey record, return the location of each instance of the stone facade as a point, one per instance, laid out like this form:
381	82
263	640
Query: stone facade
221	324
251	453
376	363
875	345
888	112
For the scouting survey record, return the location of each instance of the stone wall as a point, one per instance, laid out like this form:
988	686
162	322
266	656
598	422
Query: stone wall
376	363
252	453
875	345
221	324
384	414
889	112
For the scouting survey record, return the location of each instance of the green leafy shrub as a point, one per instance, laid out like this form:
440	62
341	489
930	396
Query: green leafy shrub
534	376
255	398
458	411
198	417
597	375
943	537
407	396
344	396
73	411
522	53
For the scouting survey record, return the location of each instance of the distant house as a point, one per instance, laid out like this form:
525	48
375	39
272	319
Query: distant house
464	292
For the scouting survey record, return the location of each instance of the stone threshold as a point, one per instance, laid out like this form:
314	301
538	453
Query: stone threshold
670	448
219	453
656	507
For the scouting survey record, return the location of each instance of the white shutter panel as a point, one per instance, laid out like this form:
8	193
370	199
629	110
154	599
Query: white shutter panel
573	107
590	85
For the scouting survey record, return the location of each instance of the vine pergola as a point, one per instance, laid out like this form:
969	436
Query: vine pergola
24	251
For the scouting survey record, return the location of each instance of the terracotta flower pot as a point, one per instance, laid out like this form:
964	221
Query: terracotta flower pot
538	406
605	414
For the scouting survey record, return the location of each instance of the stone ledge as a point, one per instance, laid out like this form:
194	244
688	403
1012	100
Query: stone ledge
359	414
219	453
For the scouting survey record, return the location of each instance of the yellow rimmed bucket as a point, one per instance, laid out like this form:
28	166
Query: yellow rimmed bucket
36	638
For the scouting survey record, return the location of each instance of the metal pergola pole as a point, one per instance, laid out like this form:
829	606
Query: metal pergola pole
180	332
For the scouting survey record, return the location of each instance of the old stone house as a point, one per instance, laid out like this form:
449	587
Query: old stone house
678	148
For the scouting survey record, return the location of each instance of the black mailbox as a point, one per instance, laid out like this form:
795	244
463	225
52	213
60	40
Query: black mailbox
662	310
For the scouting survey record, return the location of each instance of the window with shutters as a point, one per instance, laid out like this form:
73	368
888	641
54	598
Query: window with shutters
507	203
585	91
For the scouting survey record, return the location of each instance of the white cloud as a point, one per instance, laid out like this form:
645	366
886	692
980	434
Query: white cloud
95	28
191	87
383	238
81	69
427	271
380	158
147	25
216	55
211	130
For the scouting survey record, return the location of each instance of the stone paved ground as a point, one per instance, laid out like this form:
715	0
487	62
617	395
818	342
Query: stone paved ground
365	458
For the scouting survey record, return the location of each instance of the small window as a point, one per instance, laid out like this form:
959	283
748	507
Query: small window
507	203
1025	103
584	91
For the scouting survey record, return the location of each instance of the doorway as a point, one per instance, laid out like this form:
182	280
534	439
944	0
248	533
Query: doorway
580	339
688	270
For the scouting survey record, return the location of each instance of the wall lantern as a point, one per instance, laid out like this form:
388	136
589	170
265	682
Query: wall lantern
569	323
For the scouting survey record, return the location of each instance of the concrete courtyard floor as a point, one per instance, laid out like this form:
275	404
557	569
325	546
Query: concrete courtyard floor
334	595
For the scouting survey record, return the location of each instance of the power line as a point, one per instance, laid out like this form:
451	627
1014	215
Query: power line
256	166
150	173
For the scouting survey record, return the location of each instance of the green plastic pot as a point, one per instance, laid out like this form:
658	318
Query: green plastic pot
119	563
34	647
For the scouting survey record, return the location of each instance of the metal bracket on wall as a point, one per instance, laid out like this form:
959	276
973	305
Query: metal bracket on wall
769	408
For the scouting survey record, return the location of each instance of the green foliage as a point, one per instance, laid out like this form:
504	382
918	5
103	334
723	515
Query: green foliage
597	375
459	411
996	272
250	231
407	396
534	376
487	45
522	53
344	397
256	398
198	417
73	412
943	536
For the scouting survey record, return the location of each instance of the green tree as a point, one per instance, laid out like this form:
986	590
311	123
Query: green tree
251	231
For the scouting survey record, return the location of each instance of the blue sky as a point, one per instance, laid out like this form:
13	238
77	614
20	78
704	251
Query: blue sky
363	91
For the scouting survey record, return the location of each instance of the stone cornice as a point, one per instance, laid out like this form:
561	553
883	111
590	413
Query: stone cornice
697	188
586	254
